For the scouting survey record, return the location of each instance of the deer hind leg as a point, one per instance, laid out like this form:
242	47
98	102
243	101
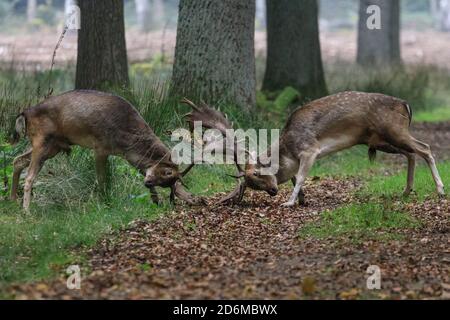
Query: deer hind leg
423	150
301	194
413	145
40	153
19	164
411	164
306	162
411	169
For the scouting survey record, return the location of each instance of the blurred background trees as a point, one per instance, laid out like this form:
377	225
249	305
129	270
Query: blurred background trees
102	54
210	48
379	47
440	10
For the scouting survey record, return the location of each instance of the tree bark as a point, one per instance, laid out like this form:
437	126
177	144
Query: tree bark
215	54
293	48
379	47
102	54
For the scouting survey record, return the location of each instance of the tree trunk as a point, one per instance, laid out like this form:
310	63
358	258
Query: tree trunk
440	10
31	10
102	54
215	54
293	48
143	14
379	47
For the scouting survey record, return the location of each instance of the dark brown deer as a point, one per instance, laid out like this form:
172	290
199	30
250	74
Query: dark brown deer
328	125
103	122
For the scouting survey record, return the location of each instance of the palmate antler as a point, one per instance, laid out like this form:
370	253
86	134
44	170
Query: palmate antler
214	119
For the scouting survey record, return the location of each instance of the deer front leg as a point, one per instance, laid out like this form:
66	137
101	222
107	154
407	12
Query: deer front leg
19	164
154	195
101	163
301	194
306	162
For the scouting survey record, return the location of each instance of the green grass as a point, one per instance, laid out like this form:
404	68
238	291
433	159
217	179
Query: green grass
62	223
378	215
352	162
69	216
434	115
391	187
360	221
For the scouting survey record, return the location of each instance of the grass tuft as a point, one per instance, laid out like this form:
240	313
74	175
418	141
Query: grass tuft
359	222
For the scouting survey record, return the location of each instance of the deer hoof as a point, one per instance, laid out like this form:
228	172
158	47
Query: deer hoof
441	191
288	204
407	192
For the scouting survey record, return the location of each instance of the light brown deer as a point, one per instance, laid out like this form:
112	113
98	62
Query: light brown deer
106	123
328	125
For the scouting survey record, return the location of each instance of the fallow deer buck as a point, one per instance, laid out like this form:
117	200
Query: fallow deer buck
325	126
106	123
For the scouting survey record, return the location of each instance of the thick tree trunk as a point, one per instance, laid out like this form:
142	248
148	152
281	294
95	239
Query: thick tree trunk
293	48
31	10
379	47
102	54
143	14
214	55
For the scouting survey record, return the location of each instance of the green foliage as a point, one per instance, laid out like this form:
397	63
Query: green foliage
288	96
277	102
433	115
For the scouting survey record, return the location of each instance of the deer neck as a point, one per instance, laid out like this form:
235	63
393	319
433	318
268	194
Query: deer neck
288	166
144	153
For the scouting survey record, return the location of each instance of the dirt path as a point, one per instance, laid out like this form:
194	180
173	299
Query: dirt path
254	251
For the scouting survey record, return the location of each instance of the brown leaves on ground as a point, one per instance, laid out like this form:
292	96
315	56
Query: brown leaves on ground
254	251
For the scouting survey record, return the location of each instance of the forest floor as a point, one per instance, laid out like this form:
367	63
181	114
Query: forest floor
260	250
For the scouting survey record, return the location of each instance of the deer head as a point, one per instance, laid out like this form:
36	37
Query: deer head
251	175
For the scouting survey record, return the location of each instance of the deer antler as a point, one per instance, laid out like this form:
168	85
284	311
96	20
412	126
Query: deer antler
177	190
215	119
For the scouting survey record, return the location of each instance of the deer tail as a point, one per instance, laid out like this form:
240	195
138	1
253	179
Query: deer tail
20	129
409	110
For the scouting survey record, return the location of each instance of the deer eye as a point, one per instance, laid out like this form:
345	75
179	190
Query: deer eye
168	173
256	173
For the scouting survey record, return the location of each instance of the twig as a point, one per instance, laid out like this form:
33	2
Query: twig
61	37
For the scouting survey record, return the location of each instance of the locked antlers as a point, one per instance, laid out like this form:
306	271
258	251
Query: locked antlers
214	119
